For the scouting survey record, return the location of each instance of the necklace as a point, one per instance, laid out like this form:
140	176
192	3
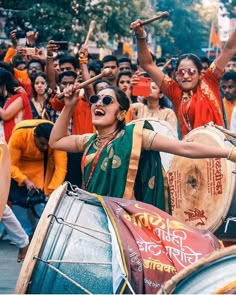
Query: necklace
100	138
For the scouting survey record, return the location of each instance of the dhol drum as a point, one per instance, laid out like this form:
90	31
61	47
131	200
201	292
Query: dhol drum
71	250
164	128
5	172
214	274
203	190
90	244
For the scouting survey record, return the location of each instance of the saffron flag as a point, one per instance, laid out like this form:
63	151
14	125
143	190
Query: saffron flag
214	38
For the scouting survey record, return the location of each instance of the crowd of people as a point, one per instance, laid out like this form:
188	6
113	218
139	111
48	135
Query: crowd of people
89	135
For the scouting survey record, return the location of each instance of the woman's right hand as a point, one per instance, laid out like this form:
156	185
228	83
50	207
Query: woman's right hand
71	95
134	79
137	27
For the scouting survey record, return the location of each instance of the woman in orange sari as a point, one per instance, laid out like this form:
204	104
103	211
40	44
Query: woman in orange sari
195	96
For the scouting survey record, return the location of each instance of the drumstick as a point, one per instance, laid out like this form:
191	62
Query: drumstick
92	26
104	73
164	14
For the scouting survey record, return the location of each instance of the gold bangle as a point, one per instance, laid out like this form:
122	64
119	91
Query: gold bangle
232	155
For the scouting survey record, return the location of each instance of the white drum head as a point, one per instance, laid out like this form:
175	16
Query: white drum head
164	128
202	189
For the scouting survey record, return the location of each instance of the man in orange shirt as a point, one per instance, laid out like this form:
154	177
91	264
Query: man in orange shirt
34	165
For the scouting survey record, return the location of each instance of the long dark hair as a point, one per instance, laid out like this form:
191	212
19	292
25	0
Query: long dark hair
40	74
7	80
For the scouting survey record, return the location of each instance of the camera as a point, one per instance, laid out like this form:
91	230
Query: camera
20	34
35	197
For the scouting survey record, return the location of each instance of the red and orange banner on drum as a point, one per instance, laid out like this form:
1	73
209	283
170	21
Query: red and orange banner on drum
155	245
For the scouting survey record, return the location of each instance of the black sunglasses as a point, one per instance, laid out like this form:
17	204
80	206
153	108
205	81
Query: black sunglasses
106	100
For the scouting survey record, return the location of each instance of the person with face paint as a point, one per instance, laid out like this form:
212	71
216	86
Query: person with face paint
120	160
14	104
195	96
34	166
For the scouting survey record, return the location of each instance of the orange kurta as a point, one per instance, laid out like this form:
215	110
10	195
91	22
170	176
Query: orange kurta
82	117
27	162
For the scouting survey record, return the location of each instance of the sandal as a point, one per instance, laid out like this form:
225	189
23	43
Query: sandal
21	253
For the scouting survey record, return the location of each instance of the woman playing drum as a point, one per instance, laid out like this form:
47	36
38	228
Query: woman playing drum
195	96
115	160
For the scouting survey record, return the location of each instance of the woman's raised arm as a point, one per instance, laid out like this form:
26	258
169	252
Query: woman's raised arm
59	139
144	56
227	52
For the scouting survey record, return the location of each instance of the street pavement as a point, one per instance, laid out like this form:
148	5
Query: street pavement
9	268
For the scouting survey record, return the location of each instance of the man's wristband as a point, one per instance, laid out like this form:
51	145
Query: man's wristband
83	60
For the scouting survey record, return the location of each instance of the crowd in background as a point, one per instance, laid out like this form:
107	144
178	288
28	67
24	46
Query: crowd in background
31	83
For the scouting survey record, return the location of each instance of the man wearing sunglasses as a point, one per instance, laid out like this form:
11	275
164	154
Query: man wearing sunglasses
195	96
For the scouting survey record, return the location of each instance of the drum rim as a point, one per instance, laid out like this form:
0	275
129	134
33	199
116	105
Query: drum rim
230	166
170	285
166	158
174	132
38	239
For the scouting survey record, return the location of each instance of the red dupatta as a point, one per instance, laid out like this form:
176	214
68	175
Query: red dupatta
10	124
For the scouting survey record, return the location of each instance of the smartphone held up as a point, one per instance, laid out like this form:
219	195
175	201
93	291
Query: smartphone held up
143	88
30	51
62	45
